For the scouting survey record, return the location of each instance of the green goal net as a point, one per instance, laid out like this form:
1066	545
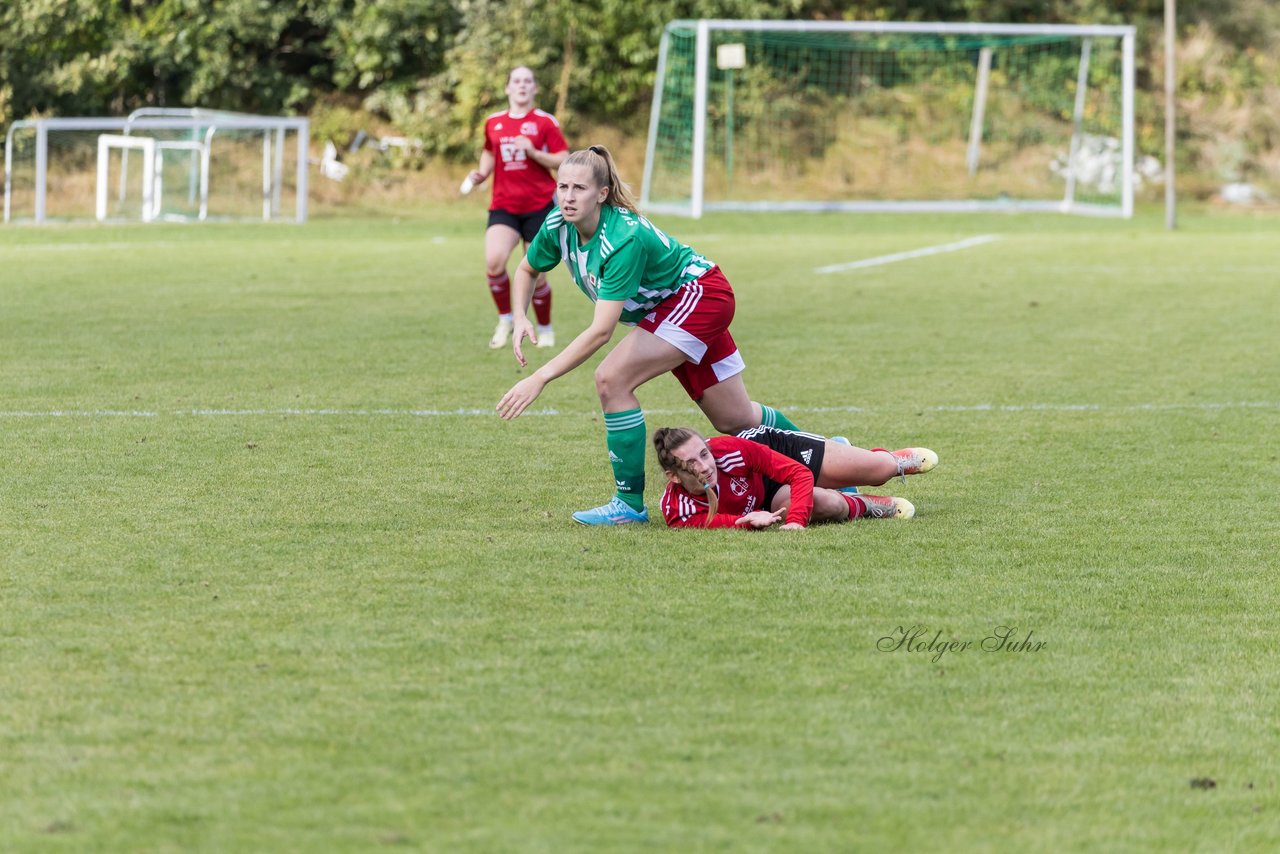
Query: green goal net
777	115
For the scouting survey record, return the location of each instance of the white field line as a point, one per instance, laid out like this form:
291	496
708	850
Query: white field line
914	253
114	246
85	247
489	413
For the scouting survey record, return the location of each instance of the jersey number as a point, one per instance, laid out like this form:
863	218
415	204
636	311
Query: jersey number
657	231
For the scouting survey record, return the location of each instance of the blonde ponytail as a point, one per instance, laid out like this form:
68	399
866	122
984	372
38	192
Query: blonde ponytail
605	173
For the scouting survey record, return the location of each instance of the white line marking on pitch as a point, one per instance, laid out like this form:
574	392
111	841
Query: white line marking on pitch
489	413
80	413
82	247
914	253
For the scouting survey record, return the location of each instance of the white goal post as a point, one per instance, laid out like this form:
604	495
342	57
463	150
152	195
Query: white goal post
148	147
152	172
235	166
883	116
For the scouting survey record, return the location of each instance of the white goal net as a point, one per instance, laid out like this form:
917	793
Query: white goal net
866	116
157	165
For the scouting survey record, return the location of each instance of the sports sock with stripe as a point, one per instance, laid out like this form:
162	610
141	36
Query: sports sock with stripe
542	302
500	290
625	435
857	507
771	417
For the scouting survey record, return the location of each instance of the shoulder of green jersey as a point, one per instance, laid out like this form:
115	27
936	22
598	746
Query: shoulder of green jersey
623	231
611	243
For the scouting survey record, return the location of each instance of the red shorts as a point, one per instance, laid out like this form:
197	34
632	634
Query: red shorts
695	320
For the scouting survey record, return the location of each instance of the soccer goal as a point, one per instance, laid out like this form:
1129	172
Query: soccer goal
157	164
868	116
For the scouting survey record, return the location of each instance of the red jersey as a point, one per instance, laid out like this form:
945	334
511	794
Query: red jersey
743	465
520	184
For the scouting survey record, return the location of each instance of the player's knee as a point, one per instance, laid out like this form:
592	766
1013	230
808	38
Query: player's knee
829	506
607	383
731	423
612	385
886	471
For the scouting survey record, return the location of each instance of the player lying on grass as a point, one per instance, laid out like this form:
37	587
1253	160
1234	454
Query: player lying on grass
763	475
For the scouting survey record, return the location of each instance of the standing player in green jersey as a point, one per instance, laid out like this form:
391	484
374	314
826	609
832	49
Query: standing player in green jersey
678	302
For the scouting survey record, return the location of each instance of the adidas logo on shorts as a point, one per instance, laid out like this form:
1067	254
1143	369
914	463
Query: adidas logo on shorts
806	455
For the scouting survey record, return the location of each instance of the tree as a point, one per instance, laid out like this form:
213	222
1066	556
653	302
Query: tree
57	56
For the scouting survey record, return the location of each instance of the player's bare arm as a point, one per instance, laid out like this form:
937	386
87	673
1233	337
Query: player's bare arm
481	173
521	294
591	339
545	159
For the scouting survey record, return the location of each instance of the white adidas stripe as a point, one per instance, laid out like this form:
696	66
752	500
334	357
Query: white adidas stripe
685	295
687	306
731	461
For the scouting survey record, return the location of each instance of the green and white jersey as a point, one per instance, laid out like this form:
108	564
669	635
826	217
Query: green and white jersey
626	259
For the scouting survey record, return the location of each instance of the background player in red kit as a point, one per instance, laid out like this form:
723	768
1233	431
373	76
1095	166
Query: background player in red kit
731	481
522	145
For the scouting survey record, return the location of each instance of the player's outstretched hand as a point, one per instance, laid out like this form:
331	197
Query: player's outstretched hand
792	526
520	395
759	519
521	329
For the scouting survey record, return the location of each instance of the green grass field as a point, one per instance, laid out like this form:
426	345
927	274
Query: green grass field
274	579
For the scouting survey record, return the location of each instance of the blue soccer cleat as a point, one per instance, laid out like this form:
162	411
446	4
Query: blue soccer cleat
616	512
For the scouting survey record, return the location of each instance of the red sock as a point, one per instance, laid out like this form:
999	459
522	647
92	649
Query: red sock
500	290
542	302
857	507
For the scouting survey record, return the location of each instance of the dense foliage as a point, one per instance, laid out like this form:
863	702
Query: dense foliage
431	68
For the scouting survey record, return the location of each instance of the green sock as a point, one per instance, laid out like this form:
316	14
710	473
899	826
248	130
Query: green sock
626	437
771	417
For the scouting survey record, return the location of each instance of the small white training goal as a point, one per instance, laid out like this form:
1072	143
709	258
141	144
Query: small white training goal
157	164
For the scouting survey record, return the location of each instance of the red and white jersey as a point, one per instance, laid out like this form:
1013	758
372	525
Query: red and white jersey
743	465
520	184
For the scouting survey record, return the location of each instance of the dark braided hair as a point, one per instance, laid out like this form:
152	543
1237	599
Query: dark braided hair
666	440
